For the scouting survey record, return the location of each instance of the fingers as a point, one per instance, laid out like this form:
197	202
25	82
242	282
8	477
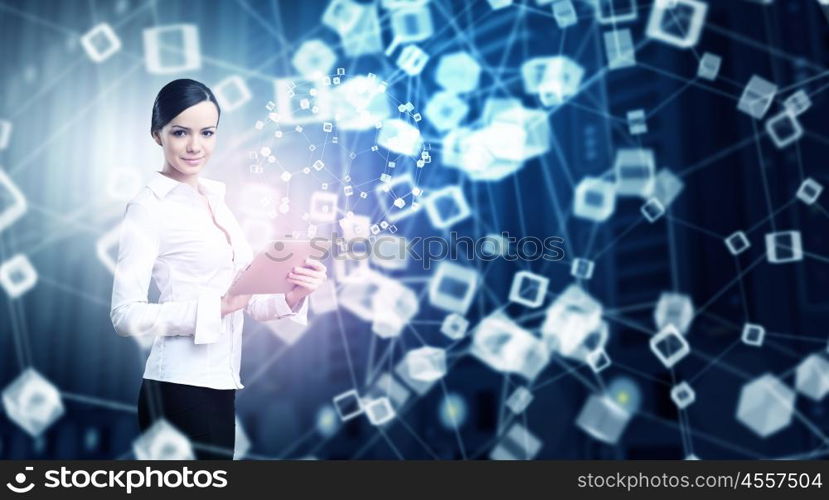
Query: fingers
314	264
304	271
309	280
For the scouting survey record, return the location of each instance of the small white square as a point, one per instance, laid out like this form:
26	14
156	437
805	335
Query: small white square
683	395
737	243
669	346
809	191
582	268
454	326
348	405
653	210
162	441
172	49
232	93
100	43
519	400
709	66
783	247
757	97
798	102
379	411
528	289
17	275
285	176
598	360
784	129
637	122
753	334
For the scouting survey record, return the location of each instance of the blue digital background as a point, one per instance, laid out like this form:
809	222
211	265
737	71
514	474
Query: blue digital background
74	120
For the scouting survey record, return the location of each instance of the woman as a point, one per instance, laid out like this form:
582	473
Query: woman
179	231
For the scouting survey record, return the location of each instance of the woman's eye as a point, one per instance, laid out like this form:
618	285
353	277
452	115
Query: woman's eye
178	133
207	133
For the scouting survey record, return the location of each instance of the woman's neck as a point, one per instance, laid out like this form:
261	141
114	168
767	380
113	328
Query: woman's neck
192	180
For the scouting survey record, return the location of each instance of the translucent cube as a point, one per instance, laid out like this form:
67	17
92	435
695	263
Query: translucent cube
458	72
32	402
412	23
677	22
388	386
637	122
365	37
400	137
454	326
798	102
528	289
518	443
393	306
683	395
603	419
809	191
341	15
783	247
300	100
519	400
560	81
314	59
757	97
452	287
359	103
445	110
709	66
667	186
619	48
635	169
598	360
594	199
348	405
582	268
14	203
17	275
753	334
446	207
570	320
669	346
674	309
232	93
652	210
163	441
426	363
172	49
499	4
100	43
812	377
389	252
379	411
737	243
323	206
412	60
564	13
765	405
615	11
784	129
504	346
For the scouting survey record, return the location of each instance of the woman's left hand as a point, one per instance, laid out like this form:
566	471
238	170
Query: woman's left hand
307	278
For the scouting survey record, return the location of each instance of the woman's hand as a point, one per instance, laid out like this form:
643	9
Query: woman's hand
307	278
232	303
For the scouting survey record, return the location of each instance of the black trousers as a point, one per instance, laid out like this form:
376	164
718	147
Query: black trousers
206	416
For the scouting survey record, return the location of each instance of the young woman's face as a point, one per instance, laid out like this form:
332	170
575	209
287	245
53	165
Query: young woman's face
189	138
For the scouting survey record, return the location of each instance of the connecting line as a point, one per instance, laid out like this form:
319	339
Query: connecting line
77	115
112	405
729	285
773	214
85	296
712	159
267	364
694	227
714	361
705	437
618	237
417	438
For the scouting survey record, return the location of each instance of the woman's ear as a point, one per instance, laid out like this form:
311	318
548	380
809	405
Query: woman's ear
156	138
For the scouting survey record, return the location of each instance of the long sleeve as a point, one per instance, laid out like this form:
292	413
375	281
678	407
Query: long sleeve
267	307
131	313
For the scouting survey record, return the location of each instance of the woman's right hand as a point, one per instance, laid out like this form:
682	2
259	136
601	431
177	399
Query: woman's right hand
231	303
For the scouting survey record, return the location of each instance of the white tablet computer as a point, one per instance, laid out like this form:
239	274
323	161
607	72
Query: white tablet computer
268	271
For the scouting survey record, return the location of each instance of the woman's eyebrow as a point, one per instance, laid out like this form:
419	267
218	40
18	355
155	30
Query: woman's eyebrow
185	128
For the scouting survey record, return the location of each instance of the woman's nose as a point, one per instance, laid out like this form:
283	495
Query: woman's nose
193	145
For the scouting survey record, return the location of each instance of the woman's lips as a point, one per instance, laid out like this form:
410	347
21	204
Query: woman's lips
194	161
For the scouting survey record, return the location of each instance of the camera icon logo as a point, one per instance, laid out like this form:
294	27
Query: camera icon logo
20	478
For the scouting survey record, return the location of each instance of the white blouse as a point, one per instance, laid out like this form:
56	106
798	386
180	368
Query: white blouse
168	233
